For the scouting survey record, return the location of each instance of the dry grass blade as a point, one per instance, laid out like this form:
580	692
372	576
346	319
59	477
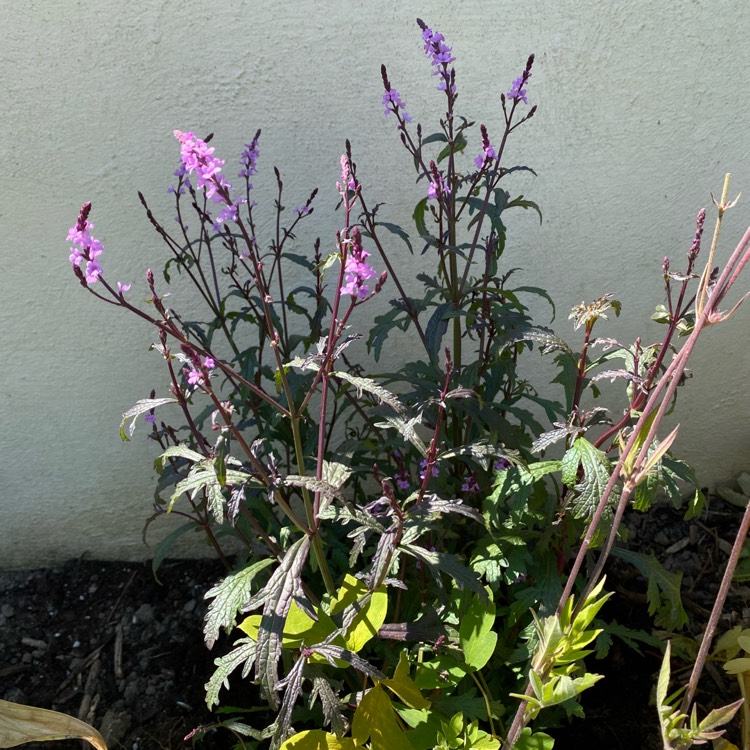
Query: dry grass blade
21	724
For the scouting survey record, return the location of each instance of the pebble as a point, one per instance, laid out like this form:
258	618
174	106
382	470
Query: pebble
144	614
7	610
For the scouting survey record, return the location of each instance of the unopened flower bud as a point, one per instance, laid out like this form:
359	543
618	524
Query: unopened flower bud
381	281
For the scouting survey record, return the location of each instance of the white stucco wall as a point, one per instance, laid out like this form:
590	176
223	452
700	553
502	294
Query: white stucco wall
643	107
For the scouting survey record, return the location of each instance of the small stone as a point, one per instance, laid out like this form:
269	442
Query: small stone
115	724
144	614
189	606
7	610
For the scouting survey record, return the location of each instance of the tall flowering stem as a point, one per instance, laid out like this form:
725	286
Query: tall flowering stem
631	468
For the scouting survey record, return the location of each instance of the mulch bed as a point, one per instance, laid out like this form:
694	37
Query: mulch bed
107	643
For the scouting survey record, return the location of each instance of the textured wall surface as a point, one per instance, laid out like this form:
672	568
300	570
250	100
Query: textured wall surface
643	107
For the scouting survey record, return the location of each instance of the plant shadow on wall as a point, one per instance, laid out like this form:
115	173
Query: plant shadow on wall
423	555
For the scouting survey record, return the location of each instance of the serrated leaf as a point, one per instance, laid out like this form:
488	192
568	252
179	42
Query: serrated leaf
180	451
141	407
329	701
331	653
292	685
663	592
336	474
229	596
596	476
327	491
369	385
242	654
436	505
539	335
281	588
546	439
443	563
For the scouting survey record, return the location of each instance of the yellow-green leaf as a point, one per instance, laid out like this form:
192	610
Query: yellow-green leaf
737	666
369	620
21	724
404	687
317	739
299	627
475	633
376	720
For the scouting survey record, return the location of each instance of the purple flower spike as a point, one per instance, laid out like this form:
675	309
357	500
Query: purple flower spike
392	102
357	270
516	92
249	158
441	56
86	248
438	187
198	157
488	150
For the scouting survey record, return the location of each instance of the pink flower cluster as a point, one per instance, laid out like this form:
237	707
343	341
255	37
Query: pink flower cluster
195	376
86	248
357	269
197	156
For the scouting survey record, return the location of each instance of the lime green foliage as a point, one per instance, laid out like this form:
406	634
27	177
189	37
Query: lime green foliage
557	674
733	648
300	629
677	733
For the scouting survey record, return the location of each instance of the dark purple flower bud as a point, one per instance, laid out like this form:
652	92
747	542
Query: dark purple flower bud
381	281
249	158
696	246
665	265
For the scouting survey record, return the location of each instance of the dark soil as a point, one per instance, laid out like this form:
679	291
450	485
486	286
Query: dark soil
106	643
109	644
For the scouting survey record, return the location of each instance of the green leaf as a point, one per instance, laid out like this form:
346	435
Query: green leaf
521	202
435	330
165	545
376	720
372	607
596	476
317	739
663	591
404	687
418	216
229	596
539	335
475	633
529	740
444	563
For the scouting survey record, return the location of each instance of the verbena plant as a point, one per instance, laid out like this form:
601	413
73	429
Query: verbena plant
403	548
